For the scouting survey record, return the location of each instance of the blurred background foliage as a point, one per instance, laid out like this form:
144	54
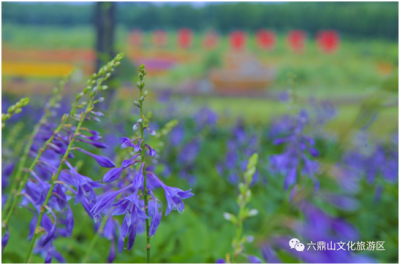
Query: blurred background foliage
351	19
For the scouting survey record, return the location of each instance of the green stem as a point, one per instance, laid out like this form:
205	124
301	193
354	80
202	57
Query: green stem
47	112
14	200
21	165
238	233
144	184
55	177
94	240
25	178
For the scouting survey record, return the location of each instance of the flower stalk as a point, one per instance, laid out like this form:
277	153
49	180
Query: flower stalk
53	102
242	201
103	74
140	85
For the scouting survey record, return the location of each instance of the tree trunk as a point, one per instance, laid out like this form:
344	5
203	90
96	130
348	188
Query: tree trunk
104	20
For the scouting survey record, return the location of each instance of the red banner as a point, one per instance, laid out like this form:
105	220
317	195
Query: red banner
185	38
265	39
328	41
238	40
296	40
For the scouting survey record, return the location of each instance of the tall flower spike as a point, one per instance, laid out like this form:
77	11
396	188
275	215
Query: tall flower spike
48	112
242	201
98	78
136	210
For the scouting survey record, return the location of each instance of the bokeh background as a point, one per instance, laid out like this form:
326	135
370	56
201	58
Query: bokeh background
225	71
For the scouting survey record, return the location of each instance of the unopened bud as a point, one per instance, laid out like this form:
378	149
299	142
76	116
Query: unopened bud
253	212
228	216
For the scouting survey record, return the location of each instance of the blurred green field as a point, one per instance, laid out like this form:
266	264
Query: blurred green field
356	70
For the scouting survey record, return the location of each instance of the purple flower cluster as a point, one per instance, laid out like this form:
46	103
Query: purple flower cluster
317	227
133	189
240	146
297	156
369	161
205	117
60	222
131	203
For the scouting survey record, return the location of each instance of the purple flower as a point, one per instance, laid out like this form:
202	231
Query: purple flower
49	227
110	233
95	144
130	206
177	135
152	132
4	239
189	152
174	196
101	160
130	162
139	178
269	254
254	259
113	174
295	154
125	142
84	186
107	200
152	153
205	116
156	218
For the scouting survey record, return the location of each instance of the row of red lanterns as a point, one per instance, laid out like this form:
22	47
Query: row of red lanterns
328	40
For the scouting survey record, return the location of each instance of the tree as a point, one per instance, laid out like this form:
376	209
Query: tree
104	20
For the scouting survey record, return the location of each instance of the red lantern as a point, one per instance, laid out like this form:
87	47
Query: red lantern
328	41
265	39
238	40
185	38
136	38
210	40
296	39
160	38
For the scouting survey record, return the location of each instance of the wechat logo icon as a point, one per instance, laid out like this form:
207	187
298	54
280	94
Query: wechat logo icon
296	244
